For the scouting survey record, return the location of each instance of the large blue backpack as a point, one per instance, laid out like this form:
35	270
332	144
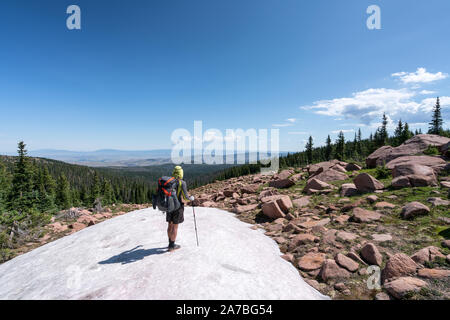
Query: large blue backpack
166	198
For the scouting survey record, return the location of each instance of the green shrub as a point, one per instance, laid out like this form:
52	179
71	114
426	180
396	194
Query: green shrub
431	151
382	172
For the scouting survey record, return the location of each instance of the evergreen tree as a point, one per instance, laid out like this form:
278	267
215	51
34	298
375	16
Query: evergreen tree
359	147
436	120
309	149
406	134
63	193
328	148
398	134
21	195
4	185
96	189
108	193
340	147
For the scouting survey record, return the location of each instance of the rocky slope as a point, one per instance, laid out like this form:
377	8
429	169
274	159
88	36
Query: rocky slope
334	221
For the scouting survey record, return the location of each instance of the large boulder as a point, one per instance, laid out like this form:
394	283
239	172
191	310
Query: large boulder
277	207
316	184
331	175
416	145
402	286
346	262
371	255
331	270
427	254
353	167
434	162
414	209
364	182
399	265
413	175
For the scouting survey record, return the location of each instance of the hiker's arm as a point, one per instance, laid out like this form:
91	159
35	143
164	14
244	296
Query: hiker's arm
185	192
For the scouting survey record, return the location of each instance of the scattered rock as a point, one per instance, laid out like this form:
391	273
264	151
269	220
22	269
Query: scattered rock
281	183
348	190
346	236
384	205
315	184
331	175
400	287
372	199
446	243
365	216
438	202
352	167
414	209
346	262
302	202
427	254
314	223
366	183
272	210
434	273
371	254
288	257
330	271
77	226
399	265
381	237
382	296
342	219
311	261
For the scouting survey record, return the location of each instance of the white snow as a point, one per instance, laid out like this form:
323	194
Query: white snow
125	258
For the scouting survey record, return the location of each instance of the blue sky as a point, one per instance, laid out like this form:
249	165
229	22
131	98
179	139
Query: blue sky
137	70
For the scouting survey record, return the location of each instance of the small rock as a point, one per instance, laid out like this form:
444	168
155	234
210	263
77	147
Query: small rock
288	257
366	183
434	273
446	243
346	262
346	236
438	202
381	237
364	216
311	261
330	271
382	296
385	205
371	254
414	209
372	199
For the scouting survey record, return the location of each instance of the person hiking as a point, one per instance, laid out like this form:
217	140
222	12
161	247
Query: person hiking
176	217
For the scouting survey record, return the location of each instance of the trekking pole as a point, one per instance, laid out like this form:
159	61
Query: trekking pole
195	224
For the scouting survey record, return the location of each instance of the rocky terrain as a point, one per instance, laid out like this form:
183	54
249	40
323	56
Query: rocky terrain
334	220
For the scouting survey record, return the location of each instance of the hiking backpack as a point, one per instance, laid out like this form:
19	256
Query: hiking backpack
166	198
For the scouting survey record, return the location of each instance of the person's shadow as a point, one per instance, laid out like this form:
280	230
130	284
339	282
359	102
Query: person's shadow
133	255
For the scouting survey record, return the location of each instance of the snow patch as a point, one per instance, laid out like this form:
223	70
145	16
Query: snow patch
126	258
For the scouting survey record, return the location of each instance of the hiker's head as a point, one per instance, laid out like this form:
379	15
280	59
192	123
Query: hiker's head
178	172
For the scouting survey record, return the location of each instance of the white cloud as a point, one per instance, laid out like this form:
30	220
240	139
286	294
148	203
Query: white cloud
367	105
283	125
426	92
291	120
344	131
420	76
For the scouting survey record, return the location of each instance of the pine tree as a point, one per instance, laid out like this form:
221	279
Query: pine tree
108	193
4	186
406	134
63	193
359	147
328	149
309	149
436	120
21	195
96	189
398	133
340	147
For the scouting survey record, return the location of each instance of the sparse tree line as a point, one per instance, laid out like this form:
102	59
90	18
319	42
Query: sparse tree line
349	150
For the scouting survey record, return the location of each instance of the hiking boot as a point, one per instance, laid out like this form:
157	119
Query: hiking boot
174	247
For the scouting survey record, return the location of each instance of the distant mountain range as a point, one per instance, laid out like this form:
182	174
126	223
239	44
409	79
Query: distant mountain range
112	158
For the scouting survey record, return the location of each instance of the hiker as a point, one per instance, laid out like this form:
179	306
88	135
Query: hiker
176	217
